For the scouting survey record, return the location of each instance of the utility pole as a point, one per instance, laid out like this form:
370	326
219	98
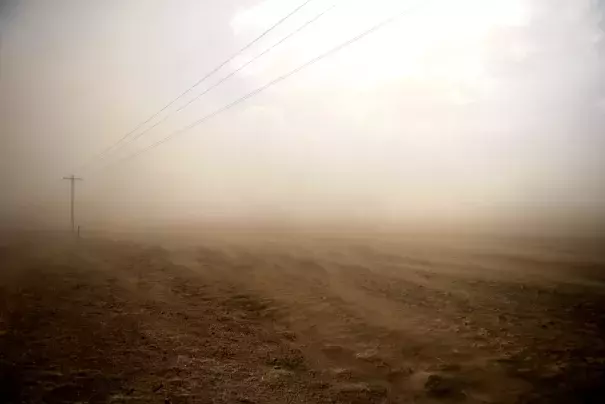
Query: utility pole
73	180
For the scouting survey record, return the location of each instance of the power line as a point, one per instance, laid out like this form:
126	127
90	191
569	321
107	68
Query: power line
255	92
233	73
197	83
72	179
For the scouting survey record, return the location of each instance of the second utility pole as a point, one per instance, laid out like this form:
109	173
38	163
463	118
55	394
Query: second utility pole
73	180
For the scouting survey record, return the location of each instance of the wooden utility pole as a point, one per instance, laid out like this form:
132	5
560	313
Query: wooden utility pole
73	180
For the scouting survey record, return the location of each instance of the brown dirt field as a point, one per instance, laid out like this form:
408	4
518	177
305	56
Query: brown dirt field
302	320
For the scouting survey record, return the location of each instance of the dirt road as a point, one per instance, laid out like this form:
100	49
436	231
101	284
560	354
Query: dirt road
307	320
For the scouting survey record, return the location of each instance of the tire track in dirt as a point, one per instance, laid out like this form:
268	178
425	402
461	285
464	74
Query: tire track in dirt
370	340
259	323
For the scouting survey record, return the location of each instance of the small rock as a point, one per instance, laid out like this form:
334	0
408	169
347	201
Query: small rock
440	386
277	376
289	335
368	354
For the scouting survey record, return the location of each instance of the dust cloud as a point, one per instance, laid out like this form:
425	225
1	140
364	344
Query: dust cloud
416	217
478	114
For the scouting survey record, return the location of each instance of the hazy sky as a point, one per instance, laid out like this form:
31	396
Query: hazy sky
465	108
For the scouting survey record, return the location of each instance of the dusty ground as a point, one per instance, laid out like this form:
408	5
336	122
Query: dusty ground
302	320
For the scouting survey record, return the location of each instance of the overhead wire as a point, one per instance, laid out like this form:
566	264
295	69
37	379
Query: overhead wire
234	72
197	83
258	90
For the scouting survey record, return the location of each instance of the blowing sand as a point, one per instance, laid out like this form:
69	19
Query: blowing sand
304	319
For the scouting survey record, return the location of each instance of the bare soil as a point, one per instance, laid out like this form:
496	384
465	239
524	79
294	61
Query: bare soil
302	320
